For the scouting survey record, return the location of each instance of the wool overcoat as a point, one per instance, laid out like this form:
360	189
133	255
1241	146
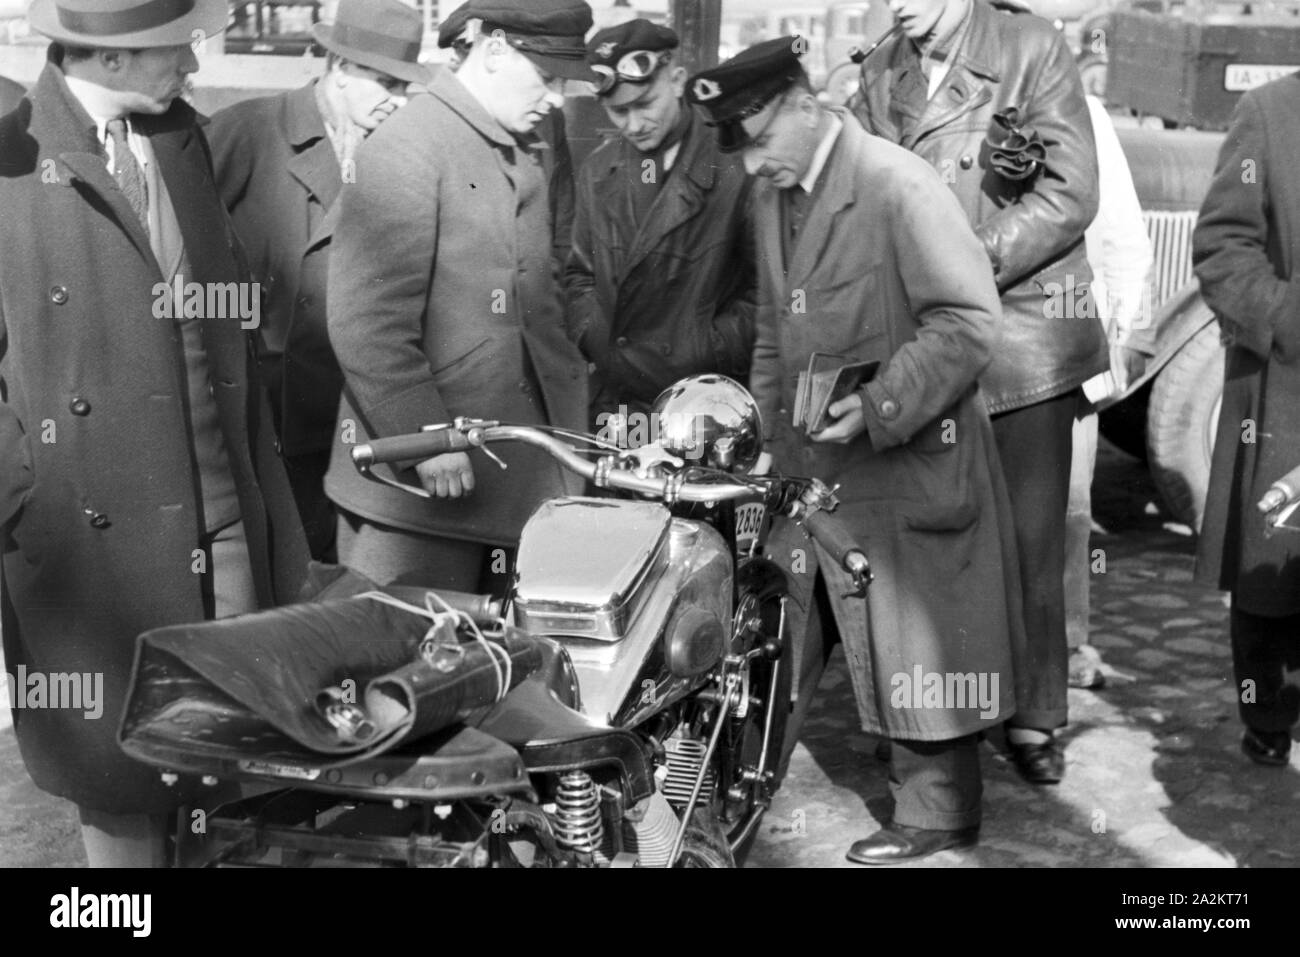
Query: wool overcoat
99	500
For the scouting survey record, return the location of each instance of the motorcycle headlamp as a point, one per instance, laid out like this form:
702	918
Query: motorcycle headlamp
709	420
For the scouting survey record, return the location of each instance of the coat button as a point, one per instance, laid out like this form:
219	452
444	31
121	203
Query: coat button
967	161
79	406
621	341
889	408
668	350
58	295
99	520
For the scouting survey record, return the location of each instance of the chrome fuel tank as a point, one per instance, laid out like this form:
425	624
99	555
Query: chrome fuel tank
641	600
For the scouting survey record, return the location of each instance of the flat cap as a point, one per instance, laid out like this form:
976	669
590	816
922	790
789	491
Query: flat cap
548	32
742	86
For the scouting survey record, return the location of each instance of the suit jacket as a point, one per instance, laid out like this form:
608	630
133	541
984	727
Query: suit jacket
279	177
444	302
1246	251
1032	230
886	269
99	501
673	296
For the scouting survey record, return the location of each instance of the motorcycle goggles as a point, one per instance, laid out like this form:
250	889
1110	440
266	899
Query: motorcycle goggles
637	66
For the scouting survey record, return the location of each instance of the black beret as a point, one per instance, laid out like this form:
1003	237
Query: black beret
741	87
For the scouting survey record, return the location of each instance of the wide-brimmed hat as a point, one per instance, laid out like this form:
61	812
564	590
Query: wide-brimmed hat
383	35
127	24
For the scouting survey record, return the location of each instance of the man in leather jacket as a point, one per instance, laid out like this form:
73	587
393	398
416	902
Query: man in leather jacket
660	280
993	100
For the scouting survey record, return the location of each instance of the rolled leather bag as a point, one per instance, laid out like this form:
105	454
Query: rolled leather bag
261	686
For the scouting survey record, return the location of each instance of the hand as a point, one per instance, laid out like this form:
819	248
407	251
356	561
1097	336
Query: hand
1127	365
849	421
447	476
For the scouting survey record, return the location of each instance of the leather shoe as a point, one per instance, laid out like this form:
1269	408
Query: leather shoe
1270	748
898	842
1039	763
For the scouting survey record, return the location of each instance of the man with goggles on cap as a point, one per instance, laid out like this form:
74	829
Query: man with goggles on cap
660	280
444	302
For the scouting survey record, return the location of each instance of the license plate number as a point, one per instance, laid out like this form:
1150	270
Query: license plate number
1238	77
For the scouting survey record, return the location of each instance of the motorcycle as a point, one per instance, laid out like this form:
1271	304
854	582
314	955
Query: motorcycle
623	705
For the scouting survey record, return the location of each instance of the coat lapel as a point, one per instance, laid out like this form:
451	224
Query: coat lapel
834	194
680	199
314	163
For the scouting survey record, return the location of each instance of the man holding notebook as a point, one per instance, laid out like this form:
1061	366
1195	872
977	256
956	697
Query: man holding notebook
864	256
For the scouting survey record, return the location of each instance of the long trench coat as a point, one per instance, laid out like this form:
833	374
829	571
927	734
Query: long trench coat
887	269
1032	229
99	502
1246	250
279	177
444	301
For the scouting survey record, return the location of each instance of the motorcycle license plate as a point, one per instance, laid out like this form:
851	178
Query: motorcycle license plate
749	525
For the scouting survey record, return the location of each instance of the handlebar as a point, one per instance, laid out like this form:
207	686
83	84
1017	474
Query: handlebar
808	502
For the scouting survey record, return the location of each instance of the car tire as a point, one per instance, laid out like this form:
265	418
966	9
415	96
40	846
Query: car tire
1182	420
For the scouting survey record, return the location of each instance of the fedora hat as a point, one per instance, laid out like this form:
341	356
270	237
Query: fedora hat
127	24
383	35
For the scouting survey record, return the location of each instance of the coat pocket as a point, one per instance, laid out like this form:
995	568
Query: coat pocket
452	364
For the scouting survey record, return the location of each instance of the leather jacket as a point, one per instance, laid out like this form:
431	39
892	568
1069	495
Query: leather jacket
1032	227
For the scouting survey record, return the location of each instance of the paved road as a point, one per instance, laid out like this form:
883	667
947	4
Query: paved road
1154	777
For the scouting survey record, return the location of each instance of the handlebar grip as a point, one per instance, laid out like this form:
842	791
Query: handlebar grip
420	446
1282	492
831	534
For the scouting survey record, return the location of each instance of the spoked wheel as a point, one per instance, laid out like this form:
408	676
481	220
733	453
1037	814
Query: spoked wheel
747	770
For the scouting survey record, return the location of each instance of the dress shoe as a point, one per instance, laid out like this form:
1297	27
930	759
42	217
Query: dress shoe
1039	762
898	842
1271	748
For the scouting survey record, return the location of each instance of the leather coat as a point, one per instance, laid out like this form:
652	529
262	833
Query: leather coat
1032	229
673	297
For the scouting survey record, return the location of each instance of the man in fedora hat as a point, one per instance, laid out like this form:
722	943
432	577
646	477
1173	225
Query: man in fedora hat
139	485
661	279
443	301
280	163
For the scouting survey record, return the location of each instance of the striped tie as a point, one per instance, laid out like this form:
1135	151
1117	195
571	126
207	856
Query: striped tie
127	172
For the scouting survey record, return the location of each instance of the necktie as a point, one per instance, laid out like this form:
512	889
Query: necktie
798	208
127	172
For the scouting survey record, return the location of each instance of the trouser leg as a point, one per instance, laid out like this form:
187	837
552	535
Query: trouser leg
817	638
1261	650
125	840
233	591
1034	449
1078	531
389	555
936	784
318	514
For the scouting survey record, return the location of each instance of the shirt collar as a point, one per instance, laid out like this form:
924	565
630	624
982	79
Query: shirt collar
822	154
100	102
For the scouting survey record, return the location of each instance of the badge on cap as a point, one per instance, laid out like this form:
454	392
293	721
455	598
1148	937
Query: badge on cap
706	89
605	50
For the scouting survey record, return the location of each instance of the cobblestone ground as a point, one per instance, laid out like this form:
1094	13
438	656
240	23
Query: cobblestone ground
1154	775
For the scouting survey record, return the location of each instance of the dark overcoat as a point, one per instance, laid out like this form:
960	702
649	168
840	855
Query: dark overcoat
673	295
1246	250
1032	229
886	268
279	177
444	301
99	501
